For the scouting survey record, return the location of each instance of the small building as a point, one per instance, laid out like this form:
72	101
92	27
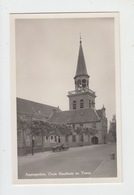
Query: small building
85	119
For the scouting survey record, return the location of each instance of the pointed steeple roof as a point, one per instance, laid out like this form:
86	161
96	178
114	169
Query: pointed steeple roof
81	65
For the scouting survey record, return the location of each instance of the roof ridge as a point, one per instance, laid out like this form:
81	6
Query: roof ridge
31	101
86	115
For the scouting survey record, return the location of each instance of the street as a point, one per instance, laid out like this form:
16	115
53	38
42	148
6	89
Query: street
81	162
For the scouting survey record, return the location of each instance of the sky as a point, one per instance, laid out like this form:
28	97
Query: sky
47	54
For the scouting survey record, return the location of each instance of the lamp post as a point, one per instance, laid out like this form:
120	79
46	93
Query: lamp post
33	138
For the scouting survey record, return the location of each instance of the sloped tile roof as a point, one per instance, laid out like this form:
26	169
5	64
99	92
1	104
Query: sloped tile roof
28	107
99	112
74	116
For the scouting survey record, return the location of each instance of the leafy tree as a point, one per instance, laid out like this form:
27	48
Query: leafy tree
79	130
87	131
90	131
22	127
61	129
41	128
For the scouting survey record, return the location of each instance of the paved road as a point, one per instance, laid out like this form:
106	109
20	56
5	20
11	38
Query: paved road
81	162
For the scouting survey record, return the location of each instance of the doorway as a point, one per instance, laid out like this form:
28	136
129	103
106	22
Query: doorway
94	140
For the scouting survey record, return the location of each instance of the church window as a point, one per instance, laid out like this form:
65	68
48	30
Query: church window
74	104
81	103
93	104
73	138
59	139
84	81
81	138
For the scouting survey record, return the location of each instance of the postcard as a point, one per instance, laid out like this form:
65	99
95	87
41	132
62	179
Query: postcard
65	97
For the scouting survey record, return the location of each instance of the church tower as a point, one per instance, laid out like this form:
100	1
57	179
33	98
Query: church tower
82	97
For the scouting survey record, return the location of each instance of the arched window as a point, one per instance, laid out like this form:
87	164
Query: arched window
93	104
74	104
89	103
79	84
55	138
81	103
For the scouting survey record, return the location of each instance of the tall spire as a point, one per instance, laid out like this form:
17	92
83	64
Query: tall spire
82	96
81	65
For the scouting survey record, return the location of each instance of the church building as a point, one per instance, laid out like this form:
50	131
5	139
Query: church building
82	110
88	125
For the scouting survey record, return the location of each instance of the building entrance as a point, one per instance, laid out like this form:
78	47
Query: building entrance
94	140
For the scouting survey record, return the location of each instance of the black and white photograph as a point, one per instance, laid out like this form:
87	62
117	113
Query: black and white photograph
66	98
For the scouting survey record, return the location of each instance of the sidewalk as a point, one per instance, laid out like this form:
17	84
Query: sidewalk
107	166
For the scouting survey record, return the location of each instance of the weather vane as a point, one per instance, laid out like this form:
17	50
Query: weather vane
80	38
